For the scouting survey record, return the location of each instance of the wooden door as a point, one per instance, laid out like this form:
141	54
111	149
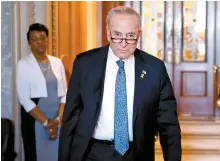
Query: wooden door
183	36
194	57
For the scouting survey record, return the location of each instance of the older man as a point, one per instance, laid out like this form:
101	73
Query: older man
118	97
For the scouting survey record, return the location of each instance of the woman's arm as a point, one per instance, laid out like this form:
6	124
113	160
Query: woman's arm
23	92
60	112
58	120
38	115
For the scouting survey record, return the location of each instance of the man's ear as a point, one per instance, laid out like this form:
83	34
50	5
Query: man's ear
108	34
139	34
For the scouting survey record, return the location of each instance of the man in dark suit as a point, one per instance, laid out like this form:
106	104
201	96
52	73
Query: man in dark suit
118	97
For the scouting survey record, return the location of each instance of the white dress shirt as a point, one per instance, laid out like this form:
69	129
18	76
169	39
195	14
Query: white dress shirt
30	82
105	126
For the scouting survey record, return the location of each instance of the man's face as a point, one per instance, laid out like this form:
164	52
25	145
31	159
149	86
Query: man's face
38	42
123	26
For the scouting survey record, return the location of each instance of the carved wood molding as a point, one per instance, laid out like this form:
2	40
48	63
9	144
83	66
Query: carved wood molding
54	32
31	6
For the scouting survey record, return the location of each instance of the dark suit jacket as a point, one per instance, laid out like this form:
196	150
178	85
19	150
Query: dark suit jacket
154	107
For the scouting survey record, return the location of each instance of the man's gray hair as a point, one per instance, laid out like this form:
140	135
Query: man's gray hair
122	10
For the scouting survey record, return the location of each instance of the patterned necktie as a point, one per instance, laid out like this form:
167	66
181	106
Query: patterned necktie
121	115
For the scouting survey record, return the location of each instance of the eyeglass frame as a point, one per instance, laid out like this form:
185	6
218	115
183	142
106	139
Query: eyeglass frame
112	38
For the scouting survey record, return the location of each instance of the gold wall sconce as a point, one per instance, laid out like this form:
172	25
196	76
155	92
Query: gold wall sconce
218	101
216	86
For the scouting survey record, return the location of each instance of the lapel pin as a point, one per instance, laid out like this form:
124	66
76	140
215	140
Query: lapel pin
143	73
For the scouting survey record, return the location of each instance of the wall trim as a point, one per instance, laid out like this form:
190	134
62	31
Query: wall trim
15	54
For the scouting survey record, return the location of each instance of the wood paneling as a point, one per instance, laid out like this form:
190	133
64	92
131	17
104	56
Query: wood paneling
193	83
67	62
72	30
75	28
193	80
64	28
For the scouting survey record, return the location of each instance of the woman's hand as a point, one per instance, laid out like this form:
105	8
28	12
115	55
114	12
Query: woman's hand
52	129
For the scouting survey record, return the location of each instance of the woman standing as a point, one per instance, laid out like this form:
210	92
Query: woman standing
41	89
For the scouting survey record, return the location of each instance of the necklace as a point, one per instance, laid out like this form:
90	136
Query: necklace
43	68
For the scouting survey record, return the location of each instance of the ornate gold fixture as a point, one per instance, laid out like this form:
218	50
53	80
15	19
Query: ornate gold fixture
215	70
218	101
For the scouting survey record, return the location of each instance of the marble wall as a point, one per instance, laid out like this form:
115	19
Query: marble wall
6	67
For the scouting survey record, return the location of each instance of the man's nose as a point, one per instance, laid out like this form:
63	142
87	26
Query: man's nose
123	43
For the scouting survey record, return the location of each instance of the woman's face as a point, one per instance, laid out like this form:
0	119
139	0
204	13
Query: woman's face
38	42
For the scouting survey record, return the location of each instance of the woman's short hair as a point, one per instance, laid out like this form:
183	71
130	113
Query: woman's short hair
36	27
122	10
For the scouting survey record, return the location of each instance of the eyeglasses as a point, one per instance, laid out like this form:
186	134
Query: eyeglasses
119	40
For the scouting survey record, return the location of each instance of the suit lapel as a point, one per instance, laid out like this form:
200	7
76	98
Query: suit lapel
99	75
139	82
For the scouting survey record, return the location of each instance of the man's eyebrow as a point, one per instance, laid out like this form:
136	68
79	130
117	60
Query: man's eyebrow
117	32
130	33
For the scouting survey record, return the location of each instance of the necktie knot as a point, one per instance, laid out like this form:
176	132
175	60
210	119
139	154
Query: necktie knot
120	63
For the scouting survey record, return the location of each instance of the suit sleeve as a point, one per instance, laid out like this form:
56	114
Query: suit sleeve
71	113
168	124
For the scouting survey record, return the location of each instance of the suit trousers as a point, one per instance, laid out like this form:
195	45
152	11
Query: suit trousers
99	151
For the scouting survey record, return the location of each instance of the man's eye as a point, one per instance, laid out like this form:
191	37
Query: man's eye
131	36
117	34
